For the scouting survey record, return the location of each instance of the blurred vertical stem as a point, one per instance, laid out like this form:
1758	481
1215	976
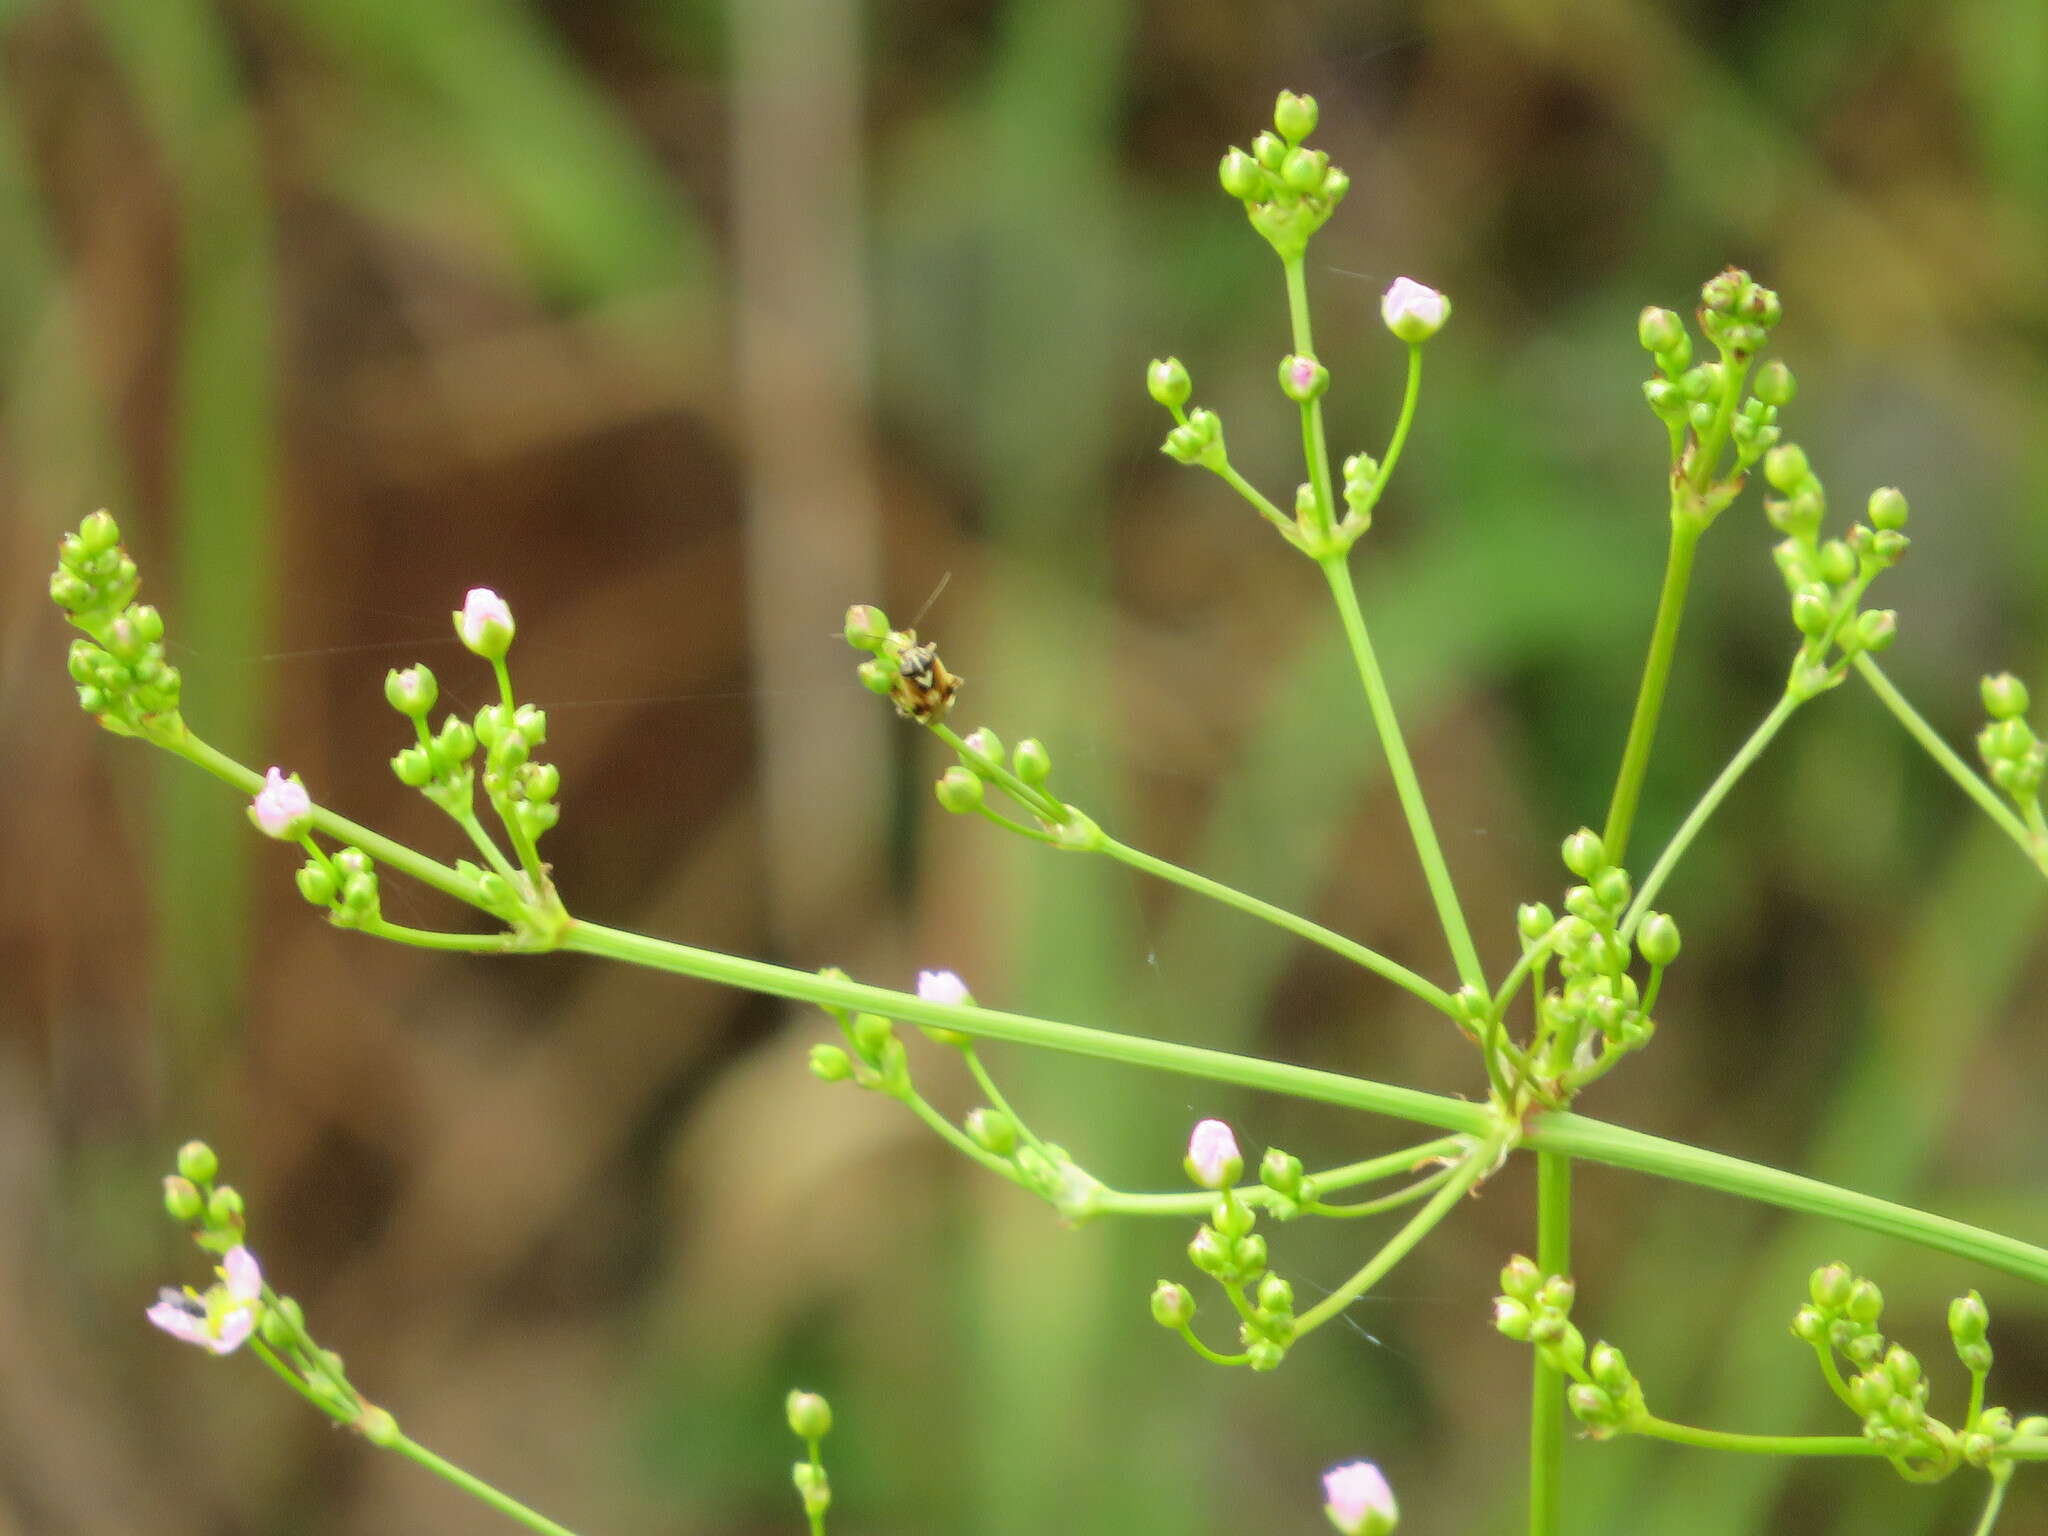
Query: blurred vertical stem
1546	1399
182	65
1642	731
1314	447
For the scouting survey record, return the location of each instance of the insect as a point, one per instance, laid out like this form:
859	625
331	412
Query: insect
924	689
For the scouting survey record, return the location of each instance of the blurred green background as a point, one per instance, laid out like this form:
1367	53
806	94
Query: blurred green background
683	325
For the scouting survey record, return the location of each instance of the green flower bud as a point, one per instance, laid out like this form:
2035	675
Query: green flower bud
1877	629
1208	1252
1775	385
1241	177
1664	397
829	1064
1786	468
1584	854
1295	116
411	691
958	790
196	1160
1611	889
1033	764
1269	150
1302	169
866	627
1249	1255
1303	379
985	744
1887	509
1512	1318
1533	920
877	677
1659	330
1168	382
1864	1303
1558	1293
1520	1278
316	883
1700	384
377	1426
1265	1355
182	1200
1810	1325
810	1416
1969	1320
2005	697
992	1131
1281	1172
1811	613
1658	938
1837	562
1276	1297
1903	1366
1172	1306
1592	1406
1721	291
413	767
1609	1368
224	1207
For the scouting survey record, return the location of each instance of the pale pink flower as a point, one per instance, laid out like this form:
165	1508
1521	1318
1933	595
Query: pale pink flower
1414	311
485	623
281	807
222	1317
1213	1159
1358	1500
942	987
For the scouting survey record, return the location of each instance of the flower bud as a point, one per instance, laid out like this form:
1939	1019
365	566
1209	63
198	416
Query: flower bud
2005	697
1241	176
1591	1406
1775	384
872	1035
876	676
810	1416
1295	116
1276	1297
1611	888
1887	509
1658	938
182	1200
411	691
1281	1172
866	627
1584	854
1512	1318
992	1131
829	1064
1659	330
377	1426
1168	382
485	624
1877	629
413	767
1810	1325
1302	169
224	1207
1358	1501
1865	1302
1533	920
1811	614
1520	1278
282	808
959	791
1968	1319
985	744
1903	1366
1033	764
1413	311
1172	1306
1265	1355
196	1161
1303	379
1786	468
1213	1160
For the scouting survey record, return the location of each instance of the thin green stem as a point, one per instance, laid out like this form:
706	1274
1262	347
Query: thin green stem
1642	731
485	843
1251	493
1739	764
1546	1384
1350	1175
1401	424
291	1379
1338	572
1576	1135
1976	1398
1986	797
961	1140
1315	449
994	1095
477	1488
427	938
1384	1203
1280	917
1009	824
1477	1163
2001	1474
1757	1445
1832	1374
814	1511
1187	1332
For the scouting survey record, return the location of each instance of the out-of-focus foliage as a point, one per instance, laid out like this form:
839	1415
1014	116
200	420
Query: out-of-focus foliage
684	325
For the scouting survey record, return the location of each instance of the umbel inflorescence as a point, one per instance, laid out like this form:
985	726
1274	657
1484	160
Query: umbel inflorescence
1580	997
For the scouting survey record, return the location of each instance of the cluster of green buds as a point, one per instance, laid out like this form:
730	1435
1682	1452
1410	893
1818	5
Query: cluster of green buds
1827	578
1597	1012
2016	758
1288	190
1535	1308
810	1420
344	883
874	1056
1230	1252
1703	405
123	680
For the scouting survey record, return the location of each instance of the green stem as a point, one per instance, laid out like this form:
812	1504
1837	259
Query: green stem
1757	1445
477	1488
1187	1332
1400	438
1546	1385
423	869
1477	1164
1257	498
1350	1175
291	1379
1280	917
813	1511
1398	1198
994	1094
1041	803
1315	450
1576	1135
961	1140
1642	731
427	938
2001	1474
493	854
1739	764
1338	572
1986	797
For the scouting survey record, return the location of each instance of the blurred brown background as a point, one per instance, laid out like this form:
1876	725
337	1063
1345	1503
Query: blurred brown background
683	325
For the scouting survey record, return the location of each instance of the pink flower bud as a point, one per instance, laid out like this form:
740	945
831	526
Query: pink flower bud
485	623
1414	312
1213	1159
1358	1500
282	808
942	987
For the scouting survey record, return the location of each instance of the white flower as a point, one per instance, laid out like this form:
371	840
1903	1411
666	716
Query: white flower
485	623
942	987
282	807
1413	311
221	1318
1358	1500
1213	1159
